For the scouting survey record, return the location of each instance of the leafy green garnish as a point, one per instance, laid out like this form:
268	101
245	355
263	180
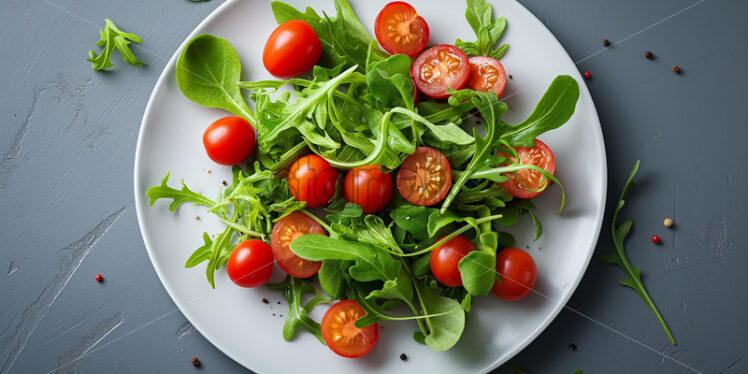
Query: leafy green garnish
479	15
292	289
618	257
443	332
112	37
179	197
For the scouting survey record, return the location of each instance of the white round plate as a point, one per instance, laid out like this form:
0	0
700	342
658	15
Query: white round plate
238	323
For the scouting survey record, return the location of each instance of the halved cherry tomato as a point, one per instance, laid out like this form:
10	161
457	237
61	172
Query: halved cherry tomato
284	232
250	263
399	29
486	74
445	258
312	179
292	49
340	333
440	67
368	187
229	140
526	183
517	272
424	177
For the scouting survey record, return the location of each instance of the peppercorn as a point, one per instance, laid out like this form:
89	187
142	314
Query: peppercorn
648	55
587	75
264	300
195	362
606	42
572	347
656	239
668	222
676	69
403	356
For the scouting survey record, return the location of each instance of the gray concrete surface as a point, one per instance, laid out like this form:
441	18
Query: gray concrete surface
67	140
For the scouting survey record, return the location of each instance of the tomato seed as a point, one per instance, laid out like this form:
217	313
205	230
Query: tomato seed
99	278
587	75
656	239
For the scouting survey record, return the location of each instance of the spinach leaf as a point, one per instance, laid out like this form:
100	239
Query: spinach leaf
297	317
371	264
633	278
479	15
442	332
112	37
208	72
553	110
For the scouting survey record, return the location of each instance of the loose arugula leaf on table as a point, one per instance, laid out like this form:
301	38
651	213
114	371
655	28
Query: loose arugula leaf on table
618	257
479	14
371	264
442	332
208	73
113	38
297	317
179	197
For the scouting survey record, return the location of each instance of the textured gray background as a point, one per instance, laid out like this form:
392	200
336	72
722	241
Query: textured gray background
67	140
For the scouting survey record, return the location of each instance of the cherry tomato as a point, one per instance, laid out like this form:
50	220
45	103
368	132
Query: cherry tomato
416	93
486	74
517	272
312	179
340	333
424	177
399	29
292	49
284	232
526	184
441	67
445	258
368	187
250	263
229	140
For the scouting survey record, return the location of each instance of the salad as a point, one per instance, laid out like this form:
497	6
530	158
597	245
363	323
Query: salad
379	179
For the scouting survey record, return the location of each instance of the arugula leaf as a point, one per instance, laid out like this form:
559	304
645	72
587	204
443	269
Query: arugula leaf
437	220
478	272
398	288
377	234
218	247
333	278
443	331
112	37
208	73
553	110
389	81
179	197
450	133
297	317
201	254
618	257
371	264
479	14
413	219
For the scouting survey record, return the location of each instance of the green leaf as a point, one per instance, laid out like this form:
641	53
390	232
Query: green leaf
208	73
413	219
389	81
478	272
632	274
297	317
201	254
113	38
179	197
221	245
479	16
553	110
445	330
399	288
371	264
333	278
422	266
449	133
437	220
377	234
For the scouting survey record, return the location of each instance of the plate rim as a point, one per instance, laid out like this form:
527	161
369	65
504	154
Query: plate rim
550	317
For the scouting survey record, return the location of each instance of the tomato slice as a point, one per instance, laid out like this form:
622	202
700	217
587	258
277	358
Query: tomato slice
486	74
424	177
399	29
441	67
340	333
526	183
284	232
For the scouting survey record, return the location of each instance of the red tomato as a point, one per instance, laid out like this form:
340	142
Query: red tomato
416	93
292	49
424	177
399	29
250	263
284	232
340	333
368	187
229	140
517	272
440	67
445	258
487	74
312	179
526	184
